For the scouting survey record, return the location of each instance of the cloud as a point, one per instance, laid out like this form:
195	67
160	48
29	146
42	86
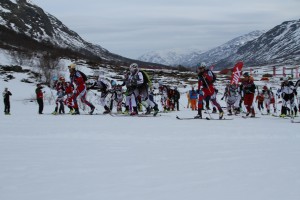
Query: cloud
133	27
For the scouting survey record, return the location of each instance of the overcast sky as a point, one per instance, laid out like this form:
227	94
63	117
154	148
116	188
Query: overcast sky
133	27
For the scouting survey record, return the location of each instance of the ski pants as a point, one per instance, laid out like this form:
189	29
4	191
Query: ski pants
82	95
233	102
40	102
248	102
6	106
211	98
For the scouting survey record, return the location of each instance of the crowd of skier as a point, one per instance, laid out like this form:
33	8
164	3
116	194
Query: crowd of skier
136	91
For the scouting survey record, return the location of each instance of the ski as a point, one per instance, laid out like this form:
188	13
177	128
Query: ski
285	117
246	117
187	118
140	115
219	119
293	121
207	118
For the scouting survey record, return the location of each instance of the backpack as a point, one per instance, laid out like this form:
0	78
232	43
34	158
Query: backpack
214	77
83	75
146	78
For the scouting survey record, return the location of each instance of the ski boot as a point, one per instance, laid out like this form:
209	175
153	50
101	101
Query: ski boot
214	110
199	116
92	110
134	112
155	110
282	115
221	114
126	112
107	110
54	113
148	111
76	112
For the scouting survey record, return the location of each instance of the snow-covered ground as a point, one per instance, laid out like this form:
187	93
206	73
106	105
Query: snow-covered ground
111	158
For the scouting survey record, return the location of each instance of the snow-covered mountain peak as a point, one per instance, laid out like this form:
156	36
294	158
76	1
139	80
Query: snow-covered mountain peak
190	57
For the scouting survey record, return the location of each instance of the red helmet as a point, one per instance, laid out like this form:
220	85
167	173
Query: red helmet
265	87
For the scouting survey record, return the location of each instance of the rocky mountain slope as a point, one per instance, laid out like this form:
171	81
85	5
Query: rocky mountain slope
27	27
280	45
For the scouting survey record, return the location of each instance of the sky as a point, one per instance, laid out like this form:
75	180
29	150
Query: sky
133	27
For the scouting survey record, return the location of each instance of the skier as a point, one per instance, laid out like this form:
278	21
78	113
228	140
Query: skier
232	99
268	99
77	78
260	98
117	96
206	79
176	98
193	95
171	99
6	93
40	98
151	98
164	94
188	98
248	88
128	93
104	87
288	93
69	88
139	86
60	87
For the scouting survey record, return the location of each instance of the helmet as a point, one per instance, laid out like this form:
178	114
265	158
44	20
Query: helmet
133	68
246	74
113	83
202	65
72	66
233	86
101	75
61	78
285	78
265	87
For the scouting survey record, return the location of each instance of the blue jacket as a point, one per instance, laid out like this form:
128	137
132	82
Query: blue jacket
193	94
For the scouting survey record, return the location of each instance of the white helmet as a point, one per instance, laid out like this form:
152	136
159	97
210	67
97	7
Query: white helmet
133	68
203	64
101	75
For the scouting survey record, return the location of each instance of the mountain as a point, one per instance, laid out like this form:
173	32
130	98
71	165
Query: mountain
280	45
192	57
172	57
25	27
229	48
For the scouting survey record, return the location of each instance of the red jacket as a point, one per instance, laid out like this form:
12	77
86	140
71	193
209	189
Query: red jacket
39	93
78	80
205	80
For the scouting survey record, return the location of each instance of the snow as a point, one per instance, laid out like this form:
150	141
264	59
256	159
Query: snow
14	1
103	157
5	57
4	10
